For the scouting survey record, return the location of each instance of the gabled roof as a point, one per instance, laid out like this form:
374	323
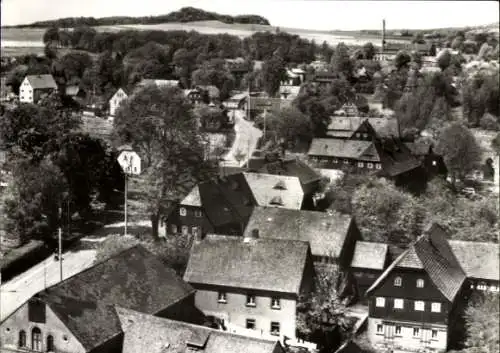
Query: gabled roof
134	278
291	167
479	260
419	148
345	126
193	198
431	253
326	233
263	189
42	81
151	334
369	255
225	200
396	158
350	347
354	149
275	265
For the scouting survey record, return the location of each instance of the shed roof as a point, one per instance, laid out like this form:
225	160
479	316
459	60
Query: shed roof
275	265
369	255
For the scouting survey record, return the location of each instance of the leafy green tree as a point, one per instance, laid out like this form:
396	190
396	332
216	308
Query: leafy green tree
290	126
161	127
460	150
341	61
387	214
34	198
73	65
273	73
444	59
402	60
51	35
495	143
151	60
369	51
481	319
321	315
215	73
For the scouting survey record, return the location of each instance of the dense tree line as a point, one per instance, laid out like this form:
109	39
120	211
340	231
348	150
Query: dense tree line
186	14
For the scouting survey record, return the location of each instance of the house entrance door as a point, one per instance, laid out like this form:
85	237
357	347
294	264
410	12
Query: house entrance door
389	334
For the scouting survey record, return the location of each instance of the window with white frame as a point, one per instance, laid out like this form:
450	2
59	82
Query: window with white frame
378	166
275	328
251	300
420	283
369	165
434	333
174	228
185	230
275	303
346	161
416	332
380	328
222	297
197	213
398	330
398	281
436	307
482	286
335	160
398	303
194	231
419	305
380	302
361	164
434	163
182	211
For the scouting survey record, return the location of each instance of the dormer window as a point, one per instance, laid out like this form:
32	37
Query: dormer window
420	283
277	201
182	211
280	185
397	281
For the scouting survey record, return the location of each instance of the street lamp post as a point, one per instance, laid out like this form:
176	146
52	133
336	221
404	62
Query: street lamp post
131	165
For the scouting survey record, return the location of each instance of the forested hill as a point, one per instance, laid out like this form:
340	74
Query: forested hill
186	14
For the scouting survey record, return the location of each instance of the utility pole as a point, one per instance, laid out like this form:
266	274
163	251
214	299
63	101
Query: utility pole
59	231
125	206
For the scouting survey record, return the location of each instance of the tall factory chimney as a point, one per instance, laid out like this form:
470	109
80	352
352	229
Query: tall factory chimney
383	35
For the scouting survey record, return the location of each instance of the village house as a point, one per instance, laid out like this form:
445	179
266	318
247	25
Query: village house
361	128
324	77
225	204
147	333
332	236
35	87
416	303
369	260
116	100
289	92
432	162
76	93
309	179
294	77
251	283
78	314
480	262
388	158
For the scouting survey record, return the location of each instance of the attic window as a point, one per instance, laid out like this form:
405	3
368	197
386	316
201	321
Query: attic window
280	185
276	200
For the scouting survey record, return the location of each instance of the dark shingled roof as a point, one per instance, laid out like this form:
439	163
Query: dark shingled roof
326	233
151	334
343	149
432	253
369	255
479	260
419	148
350	347
42	81
134	278
291	167
262	264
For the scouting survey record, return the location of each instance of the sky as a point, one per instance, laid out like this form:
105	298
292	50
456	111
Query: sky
308	14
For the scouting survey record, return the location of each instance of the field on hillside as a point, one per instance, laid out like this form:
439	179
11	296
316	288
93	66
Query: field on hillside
22	40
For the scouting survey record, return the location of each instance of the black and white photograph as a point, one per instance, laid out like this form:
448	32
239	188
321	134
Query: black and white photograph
251	176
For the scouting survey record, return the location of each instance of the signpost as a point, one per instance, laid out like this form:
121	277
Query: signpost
131	165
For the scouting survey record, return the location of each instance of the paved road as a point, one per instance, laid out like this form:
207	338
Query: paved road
43	275
245	141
